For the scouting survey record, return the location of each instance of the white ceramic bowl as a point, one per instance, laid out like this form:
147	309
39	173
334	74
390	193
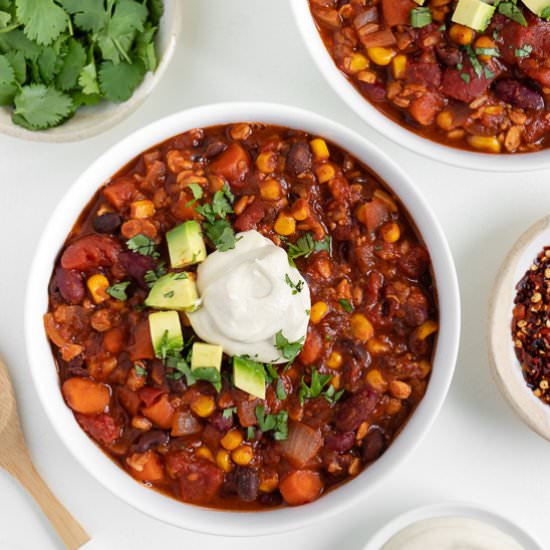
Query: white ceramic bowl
90	121
505	366
108	473
470	511
390	129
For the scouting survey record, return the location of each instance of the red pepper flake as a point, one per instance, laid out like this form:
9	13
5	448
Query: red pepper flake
531	326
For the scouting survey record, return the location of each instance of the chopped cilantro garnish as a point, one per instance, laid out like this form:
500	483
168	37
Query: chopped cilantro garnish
140	371
169	294
143	245
229	412
289	350
489	52
250	433
545	13
118	291
151	277
318	382
278	423
523	51
476	64
272	374
420	17
331	395
511	11
296	287
488	73
346	305
465	77
216	227
305	246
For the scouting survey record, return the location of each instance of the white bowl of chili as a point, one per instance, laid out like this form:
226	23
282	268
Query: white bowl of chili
109	474
90	120
390	126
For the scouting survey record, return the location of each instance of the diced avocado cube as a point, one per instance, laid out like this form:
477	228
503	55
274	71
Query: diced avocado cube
185	244
419	2
249	376
539	7
475	14
174	291
206	356
166	335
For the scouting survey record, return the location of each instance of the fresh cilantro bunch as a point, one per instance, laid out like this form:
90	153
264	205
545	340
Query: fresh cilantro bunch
57	55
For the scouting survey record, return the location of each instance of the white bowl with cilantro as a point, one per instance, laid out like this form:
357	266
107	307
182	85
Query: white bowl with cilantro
98	464
74	68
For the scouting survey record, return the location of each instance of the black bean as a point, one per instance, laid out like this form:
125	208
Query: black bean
298	160
518	94
151	439
248	483
137	266
214	148
373	445
107	223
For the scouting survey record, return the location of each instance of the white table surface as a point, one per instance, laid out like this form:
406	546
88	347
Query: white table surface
476	451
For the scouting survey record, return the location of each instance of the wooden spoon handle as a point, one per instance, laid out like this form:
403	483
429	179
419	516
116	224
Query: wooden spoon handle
69	530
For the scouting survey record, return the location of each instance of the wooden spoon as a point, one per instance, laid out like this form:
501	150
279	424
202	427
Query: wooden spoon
15	458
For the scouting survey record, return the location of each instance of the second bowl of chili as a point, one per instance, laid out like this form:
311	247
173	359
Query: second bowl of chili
284	152
473	98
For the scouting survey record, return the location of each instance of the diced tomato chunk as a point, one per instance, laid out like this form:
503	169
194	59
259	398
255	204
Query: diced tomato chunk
466	87
199	481
149	395
233	164
428	74
312	347
397	12
90	252
373	214
301	487
101	427
250	218
161	413
142	346
120	192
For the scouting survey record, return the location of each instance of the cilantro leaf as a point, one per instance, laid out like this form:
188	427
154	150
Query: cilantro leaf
49	64
72	66
145	48
89	15
523	51
140	371
331	395
19	65
221	233
511	11
151	277
229	412
88	79
16	40
142	245
156	9
43	20
318	382
196	189
5	18
545	13
278	423
346	305
118	82
210	374
280	390
305	246
41	106
118	291
289	350
216	227
296	287
8	88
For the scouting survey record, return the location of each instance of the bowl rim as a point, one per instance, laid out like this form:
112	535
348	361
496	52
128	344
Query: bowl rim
109	114
111	475
505	366
447	509
485	162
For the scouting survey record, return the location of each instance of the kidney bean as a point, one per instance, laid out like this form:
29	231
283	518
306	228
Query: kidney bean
220	422
373	446
298	160
70	285
248	483
355	410
137	266
214	148
518	94
340	442
250	217
151	439
107	223
449	55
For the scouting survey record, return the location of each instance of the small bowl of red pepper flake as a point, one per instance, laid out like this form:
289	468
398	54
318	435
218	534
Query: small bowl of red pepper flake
519	328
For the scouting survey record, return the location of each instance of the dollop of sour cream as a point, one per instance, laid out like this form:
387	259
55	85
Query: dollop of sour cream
451	533
249	294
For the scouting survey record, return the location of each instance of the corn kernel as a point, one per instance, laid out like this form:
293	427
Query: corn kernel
320	149
361	327
377	347
489	144
98	285
381	56
445	120
300	210
358	62
325	172
223	460
269	481
425	330
204	452
231	440
243	455
336	381
203	406
266	162
285	225
399	66
461	35
318	311
141	423
369	77
335	360
425	368
399	389
393	406
362	430
485	43
376	380
140	210
390	232
270	189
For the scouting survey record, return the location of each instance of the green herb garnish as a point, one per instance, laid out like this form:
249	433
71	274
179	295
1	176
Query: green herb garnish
346	305
511	11
118	291
151	277
296	288
229	412
278	423
318	382
524	51
289	350
476	64
331	395
420	17
140	371
305	246
143	245
216	227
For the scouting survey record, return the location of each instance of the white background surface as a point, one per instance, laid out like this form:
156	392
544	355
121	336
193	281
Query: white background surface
477	450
